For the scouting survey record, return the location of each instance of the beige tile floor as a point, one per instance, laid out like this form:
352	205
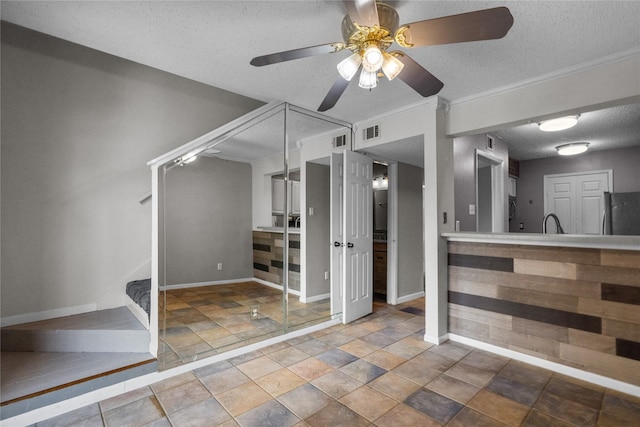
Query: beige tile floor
203	321
377	371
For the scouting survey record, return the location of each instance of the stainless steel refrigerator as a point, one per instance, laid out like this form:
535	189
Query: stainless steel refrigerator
622	213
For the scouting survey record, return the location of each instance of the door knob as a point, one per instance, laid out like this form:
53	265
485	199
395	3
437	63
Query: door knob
349	245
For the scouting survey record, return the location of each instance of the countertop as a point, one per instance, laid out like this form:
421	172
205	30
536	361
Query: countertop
559	240
292	230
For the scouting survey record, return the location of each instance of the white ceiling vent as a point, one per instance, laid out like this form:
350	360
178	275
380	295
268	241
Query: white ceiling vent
371	132
340	141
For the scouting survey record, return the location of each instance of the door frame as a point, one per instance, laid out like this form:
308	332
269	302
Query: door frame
497	189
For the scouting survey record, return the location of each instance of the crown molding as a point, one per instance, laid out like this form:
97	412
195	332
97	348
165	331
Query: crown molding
582	67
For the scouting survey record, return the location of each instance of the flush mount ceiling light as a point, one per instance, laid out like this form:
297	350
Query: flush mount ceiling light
561	123
571	149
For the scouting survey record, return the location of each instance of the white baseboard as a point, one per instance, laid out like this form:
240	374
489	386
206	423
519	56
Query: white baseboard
138	312
315	298
275	286
590	377
436	340
409	297
47	314
210	283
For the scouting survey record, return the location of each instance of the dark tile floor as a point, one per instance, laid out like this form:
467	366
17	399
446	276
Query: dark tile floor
377	371
203	321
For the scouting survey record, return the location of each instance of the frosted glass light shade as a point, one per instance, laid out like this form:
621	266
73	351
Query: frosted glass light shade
571	149
561	123
349	66
368	79
372	58
391	66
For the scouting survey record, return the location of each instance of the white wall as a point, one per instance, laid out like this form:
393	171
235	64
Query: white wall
78	127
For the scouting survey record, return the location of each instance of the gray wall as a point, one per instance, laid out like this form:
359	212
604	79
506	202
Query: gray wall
208	221
410	230
318	256
465	182
529	196
78	127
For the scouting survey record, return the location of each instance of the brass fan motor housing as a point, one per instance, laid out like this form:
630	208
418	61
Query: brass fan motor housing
358	38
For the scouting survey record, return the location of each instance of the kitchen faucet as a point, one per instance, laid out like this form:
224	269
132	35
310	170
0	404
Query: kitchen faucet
555	217
297	223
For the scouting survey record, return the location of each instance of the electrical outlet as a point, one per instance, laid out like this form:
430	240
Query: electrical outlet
255	311
219	266
472	209
310	211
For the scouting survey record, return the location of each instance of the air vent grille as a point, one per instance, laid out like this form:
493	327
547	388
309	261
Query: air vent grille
339	141
371	132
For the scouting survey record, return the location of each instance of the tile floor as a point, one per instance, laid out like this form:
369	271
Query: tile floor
377	371
207	320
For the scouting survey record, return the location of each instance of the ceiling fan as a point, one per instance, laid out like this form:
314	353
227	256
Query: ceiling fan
370	28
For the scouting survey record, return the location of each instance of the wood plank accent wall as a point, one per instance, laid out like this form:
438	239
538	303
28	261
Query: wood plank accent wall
574	306
267	258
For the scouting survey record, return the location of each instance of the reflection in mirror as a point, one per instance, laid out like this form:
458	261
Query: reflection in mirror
577	186
230	229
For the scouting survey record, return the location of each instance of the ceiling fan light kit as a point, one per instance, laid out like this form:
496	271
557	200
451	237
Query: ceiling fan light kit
573	148
558	124
368	79
369	28
349	66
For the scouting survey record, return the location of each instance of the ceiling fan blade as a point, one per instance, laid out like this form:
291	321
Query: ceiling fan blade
419	79
363	12
289	55
484	24
334	94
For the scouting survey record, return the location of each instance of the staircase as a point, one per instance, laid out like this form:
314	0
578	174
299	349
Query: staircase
56	359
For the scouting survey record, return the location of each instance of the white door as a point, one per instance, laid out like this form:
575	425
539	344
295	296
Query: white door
337	232
577	200
352	232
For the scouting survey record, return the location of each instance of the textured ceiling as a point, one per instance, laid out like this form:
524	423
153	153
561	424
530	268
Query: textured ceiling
213	41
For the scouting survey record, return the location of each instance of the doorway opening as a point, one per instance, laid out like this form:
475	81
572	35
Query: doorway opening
380	229
489	193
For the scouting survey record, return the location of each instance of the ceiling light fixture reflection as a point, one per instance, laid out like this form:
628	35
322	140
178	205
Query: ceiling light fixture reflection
561	123
189	157
573	148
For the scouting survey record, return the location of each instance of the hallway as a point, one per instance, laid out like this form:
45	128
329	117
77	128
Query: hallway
376	371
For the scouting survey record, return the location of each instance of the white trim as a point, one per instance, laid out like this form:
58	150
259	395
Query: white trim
392	234
564	72
210	283
552	366
498	223
59	408
627	243
410	297
47	314
436	340
315	298
275	286
138	312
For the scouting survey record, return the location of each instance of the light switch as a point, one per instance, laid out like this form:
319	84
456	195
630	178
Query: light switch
310	211
472	209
